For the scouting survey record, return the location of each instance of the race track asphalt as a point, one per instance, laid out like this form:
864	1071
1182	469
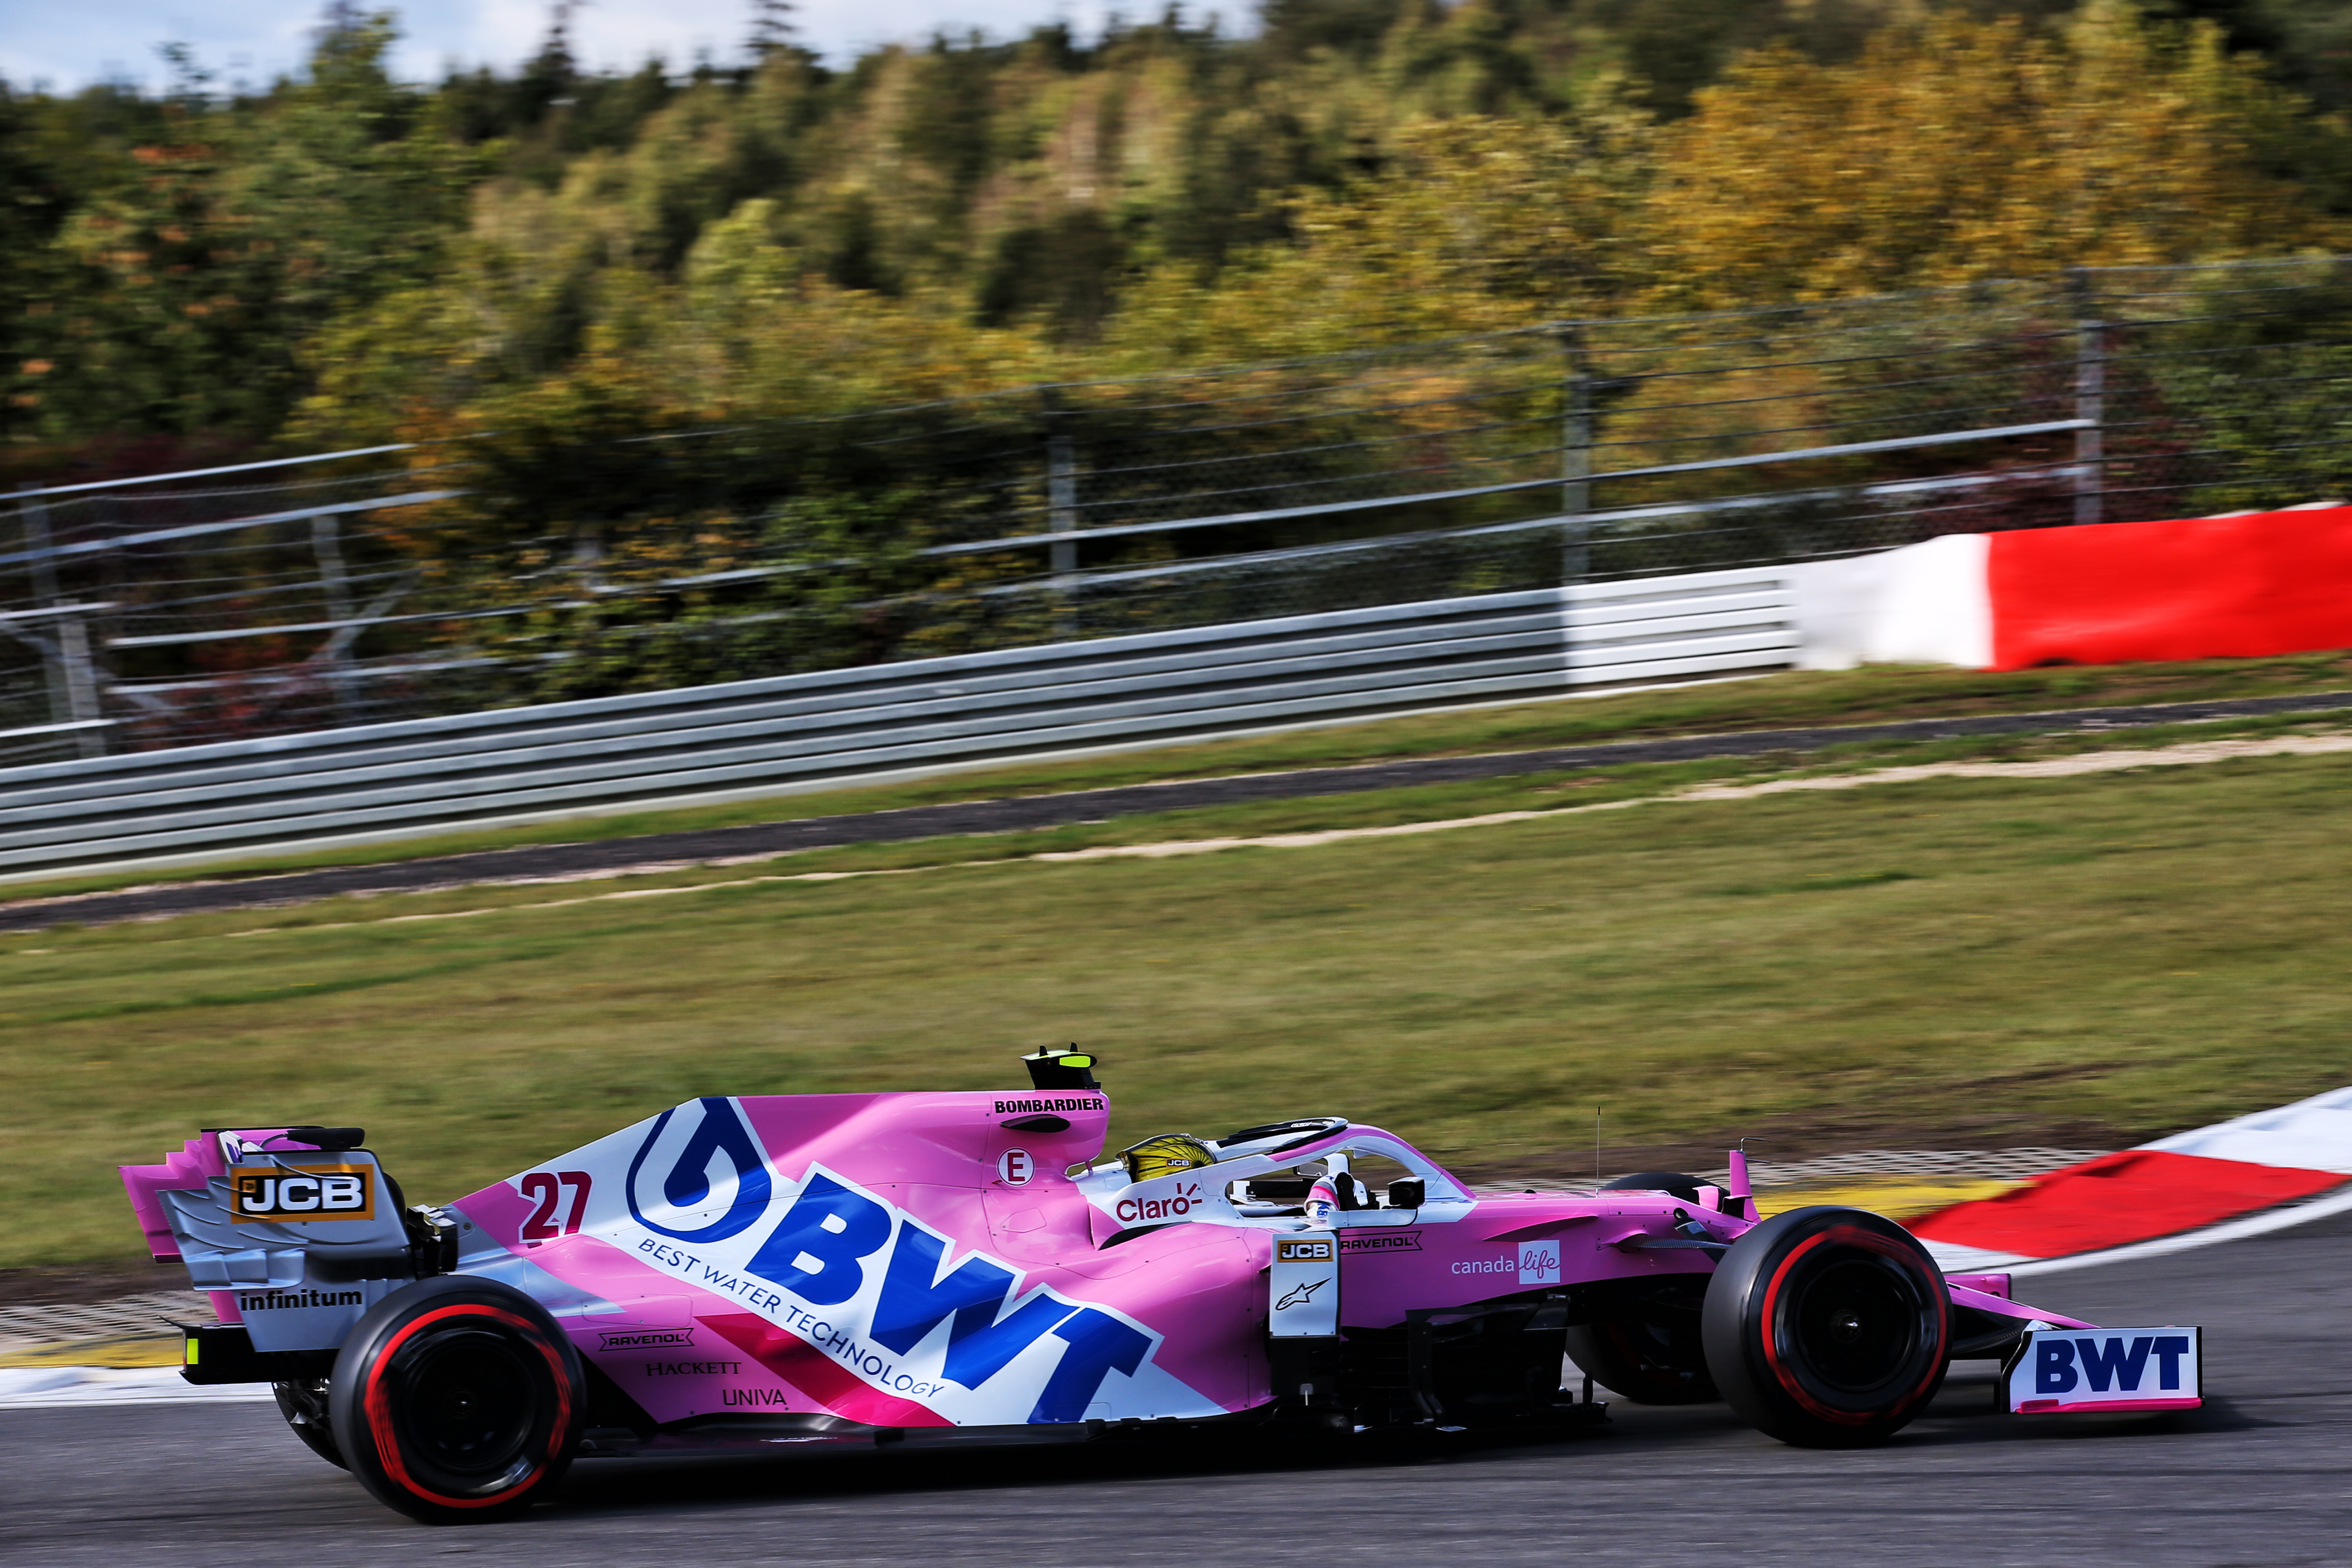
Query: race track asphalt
2258	1478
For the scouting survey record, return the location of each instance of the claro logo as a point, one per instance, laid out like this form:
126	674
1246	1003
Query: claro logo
1176	1205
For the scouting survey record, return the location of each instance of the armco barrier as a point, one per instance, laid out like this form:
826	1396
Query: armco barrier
749	736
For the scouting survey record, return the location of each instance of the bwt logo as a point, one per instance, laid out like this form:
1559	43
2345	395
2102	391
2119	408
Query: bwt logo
700	1176
819	1253
1183	1201
2113	1365
714	1164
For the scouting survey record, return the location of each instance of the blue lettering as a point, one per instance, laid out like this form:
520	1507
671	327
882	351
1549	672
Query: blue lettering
2053	1367
1099	1343
915	1300
2119	1365
980	1352
688	1186
858	1228
2168	1352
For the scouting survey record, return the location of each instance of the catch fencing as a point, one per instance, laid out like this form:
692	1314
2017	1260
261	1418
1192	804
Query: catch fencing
760	736
385	584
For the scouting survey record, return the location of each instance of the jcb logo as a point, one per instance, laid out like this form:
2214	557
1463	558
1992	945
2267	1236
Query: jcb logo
302	1193
1318	1249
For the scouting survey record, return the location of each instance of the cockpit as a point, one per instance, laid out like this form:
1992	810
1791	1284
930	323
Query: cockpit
1317	1170
1344	1172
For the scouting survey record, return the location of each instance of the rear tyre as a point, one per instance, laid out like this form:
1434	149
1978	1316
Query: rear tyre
1668	1182
1646	1363
304	1405
1650	1361
458	1400
1828	1328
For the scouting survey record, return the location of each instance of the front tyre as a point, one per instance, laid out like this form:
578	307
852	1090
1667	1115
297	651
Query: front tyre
1828	1328
458	1400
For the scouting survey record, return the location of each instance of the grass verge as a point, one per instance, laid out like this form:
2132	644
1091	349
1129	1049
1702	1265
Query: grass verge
1982	962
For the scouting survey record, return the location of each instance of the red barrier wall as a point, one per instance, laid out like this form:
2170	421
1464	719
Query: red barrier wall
2203	587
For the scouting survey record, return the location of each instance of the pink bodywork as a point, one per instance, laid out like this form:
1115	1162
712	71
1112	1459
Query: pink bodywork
675	1313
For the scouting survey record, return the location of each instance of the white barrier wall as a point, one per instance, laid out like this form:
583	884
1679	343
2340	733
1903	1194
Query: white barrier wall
1924	603
797	731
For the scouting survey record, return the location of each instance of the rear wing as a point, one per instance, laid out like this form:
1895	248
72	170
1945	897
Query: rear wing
294	1231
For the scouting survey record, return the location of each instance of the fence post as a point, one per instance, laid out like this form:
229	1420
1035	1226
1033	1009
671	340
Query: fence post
1062	510
335	582
1575	462
83	701
2090	398
71	674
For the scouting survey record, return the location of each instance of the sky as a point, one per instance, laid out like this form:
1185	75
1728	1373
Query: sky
71	45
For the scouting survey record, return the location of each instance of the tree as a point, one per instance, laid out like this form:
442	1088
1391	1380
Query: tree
1953	149
772	27
189	289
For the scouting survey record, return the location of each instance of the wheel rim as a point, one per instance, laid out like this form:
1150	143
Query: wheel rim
1855	1323
470	1408
473	1403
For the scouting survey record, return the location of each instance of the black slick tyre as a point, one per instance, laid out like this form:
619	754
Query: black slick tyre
1827	1328
458	1400
1651	1359
1646	1363
1673	1182
304	1405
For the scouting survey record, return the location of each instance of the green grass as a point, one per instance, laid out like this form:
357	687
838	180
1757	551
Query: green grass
1973	962
1543	791
1853	696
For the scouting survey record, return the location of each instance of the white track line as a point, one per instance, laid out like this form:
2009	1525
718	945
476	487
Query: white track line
2287	1218
2055	767
86	1387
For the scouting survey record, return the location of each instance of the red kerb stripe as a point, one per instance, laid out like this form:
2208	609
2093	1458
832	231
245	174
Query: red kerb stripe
2116	1199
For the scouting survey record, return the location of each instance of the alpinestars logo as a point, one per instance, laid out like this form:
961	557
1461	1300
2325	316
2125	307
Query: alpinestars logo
1299	1295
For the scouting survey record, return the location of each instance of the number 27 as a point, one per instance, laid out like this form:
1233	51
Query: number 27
540	1187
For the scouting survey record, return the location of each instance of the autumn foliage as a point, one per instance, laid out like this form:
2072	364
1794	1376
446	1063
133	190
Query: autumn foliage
343	257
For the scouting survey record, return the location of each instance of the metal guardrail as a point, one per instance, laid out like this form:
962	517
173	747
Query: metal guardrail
284	595
787	732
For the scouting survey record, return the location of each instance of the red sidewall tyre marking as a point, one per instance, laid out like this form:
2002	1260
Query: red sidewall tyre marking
378	1414
1852	1236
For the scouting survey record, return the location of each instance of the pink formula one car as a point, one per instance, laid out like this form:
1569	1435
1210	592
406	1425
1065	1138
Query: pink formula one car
819	1271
